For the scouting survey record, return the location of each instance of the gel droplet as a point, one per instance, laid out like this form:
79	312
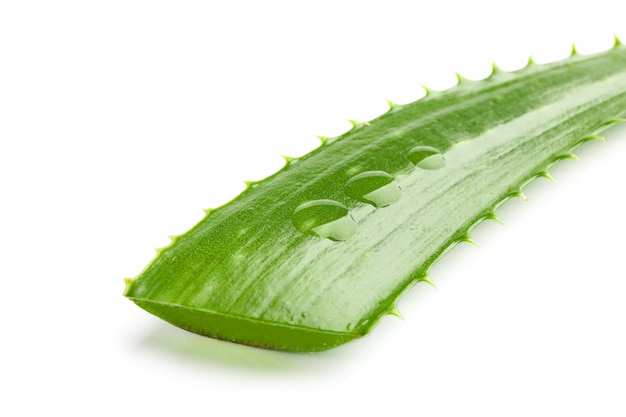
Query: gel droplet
377	188
426	157
324	218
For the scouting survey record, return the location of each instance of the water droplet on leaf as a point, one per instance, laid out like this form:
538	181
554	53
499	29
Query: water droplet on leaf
426	157
324	218
377	188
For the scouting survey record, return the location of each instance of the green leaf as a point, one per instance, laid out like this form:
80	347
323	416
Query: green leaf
314	255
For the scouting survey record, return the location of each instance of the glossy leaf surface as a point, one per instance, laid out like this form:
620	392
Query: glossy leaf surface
316	254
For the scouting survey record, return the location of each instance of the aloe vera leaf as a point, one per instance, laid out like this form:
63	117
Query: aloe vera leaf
314	255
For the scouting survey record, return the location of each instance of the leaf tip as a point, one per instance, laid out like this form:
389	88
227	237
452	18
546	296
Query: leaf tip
573	51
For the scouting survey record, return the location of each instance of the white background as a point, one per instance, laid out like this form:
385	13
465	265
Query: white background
120	120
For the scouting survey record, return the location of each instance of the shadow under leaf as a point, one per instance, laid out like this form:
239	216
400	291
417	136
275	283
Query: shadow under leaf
191	349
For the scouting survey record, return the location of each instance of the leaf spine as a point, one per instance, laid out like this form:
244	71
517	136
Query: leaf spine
288	160
322	139
545	174
357	125
616	41
613	121
467	239
393	310
495	69
128	282
427	280
519	194
251	184
592	138
493	216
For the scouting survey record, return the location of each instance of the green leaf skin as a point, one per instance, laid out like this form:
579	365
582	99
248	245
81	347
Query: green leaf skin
246	274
